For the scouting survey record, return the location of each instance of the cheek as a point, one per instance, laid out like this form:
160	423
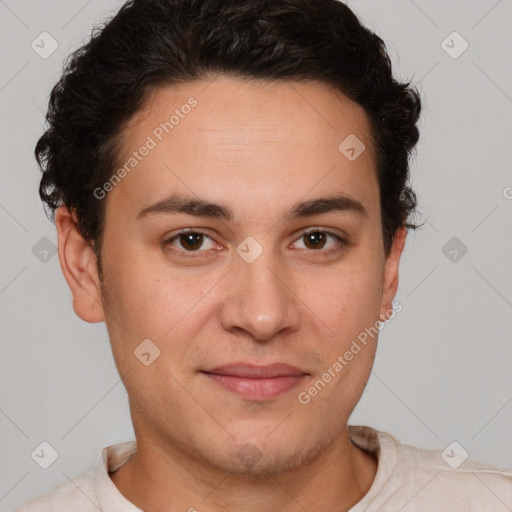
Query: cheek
150	298
346	300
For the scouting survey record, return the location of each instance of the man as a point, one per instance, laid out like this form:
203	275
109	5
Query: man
230	187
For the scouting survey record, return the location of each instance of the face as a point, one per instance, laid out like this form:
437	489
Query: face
253	293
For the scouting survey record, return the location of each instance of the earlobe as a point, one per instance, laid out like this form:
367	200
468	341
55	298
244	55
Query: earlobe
391	268
78	264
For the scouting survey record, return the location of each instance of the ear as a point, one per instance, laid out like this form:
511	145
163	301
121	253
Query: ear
78	264
390	278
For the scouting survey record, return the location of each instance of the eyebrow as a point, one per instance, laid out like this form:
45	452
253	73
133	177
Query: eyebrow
203	208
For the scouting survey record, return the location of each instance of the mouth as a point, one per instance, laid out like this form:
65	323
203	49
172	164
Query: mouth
254	382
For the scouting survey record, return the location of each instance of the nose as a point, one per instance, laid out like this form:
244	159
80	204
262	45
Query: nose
261	301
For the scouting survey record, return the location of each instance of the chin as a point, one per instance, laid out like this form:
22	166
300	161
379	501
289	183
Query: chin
273	464
265	456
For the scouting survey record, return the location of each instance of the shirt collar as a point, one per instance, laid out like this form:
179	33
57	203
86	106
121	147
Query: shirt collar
108	460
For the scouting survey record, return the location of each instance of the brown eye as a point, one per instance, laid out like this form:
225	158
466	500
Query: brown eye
191	241
319	241
315	240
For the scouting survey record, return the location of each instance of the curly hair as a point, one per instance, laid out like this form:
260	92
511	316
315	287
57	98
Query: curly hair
152	43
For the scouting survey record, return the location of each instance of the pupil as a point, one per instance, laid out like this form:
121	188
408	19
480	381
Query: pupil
315	238
192	240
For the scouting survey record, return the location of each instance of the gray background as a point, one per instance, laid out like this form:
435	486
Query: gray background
442	372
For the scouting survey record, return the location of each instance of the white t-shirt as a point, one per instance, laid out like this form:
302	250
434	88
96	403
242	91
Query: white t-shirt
408	479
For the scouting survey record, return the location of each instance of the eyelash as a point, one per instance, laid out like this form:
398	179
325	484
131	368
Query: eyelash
197	253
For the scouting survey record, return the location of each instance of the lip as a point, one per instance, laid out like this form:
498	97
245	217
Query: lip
254	382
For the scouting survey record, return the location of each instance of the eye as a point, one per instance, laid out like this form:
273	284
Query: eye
191	241
316	240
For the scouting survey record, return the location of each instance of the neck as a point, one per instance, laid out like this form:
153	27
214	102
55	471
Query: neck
164	480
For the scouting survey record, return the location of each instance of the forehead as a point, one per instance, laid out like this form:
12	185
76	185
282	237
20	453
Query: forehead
247	142
226	104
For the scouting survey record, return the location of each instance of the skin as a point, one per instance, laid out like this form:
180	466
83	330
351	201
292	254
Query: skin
258	148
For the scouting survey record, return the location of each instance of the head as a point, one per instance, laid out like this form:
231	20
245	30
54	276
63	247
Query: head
247	124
